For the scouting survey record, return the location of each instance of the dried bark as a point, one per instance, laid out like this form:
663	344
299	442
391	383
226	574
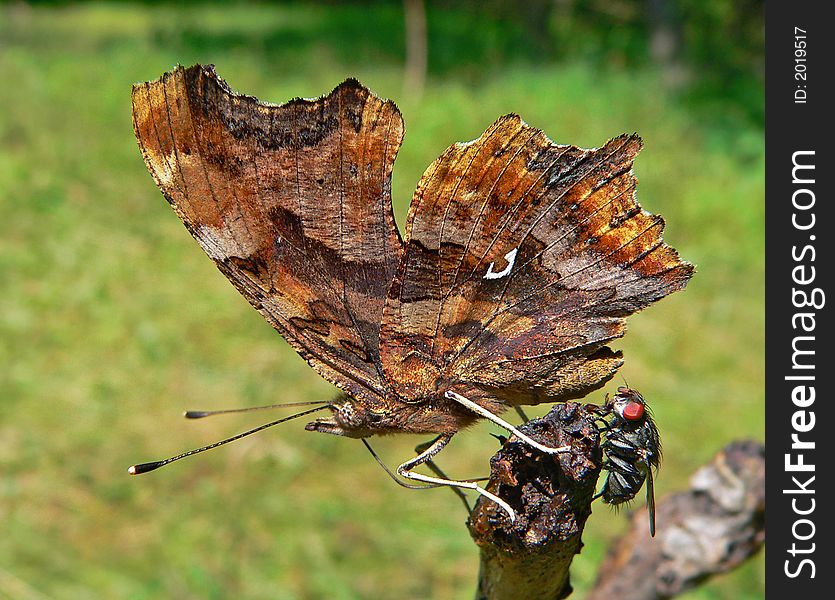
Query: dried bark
711	528
530	557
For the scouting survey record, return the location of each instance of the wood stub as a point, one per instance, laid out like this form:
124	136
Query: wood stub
551	494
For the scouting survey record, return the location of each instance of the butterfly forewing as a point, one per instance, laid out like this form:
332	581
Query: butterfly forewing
293	204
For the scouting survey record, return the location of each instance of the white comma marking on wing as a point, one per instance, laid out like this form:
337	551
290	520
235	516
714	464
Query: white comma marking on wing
510	257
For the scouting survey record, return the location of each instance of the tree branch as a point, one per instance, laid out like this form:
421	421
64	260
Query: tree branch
551	494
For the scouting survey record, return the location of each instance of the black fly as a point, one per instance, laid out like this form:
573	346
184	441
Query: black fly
632	447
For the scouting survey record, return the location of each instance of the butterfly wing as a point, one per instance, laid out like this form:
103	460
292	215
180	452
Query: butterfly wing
291	202
522	259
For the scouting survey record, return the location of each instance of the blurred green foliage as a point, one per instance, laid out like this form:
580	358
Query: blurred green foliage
714	49
112	320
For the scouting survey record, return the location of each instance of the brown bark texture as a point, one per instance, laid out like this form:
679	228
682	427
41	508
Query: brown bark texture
529	558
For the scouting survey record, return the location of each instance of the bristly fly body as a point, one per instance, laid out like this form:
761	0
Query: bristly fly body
633	449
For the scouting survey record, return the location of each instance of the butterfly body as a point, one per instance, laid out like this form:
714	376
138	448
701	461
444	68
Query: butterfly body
519	262
352	418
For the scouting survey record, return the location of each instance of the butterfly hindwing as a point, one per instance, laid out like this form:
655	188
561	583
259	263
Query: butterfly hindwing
522	260
292	203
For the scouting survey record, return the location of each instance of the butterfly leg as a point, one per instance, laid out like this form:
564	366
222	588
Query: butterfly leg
420	448
389	472
431	464
480	410
405	470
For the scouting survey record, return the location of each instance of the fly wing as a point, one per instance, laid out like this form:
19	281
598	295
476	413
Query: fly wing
650	500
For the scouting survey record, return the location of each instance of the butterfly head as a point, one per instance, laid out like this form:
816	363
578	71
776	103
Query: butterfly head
351	418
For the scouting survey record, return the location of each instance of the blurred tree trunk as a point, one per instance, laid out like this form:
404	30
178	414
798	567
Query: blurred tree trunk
536	18
416	47
666	42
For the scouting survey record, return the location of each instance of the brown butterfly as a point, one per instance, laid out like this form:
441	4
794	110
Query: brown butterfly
520	260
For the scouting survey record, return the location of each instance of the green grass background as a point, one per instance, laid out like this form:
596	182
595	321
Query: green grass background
112	321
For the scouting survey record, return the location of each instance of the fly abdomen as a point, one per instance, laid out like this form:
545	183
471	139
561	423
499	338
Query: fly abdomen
618	464
621	487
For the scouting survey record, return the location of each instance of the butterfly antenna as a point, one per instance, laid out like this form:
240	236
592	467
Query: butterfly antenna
199	414
151	466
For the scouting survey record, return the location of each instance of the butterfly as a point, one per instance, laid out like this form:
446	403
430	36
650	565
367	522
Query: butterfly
519	261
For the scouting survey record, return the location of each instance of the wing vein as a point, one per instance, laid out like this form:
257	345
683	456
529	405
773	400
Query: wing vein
198	144
509	217
498	310
439	263
553	204
476	221
562	280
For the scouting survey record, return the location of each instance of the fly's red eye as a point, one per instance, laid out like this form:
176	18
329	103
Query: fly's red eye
633	411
